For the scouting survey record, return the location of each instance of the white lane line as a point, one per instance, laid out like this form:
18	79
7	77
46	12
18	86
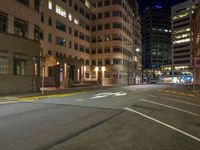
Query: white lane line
165	124
175	100
171	107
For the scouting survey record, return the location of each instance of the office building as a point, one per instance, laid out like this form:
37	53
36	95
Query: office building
20	48
182	37
74	41
156	37
196	46
89	41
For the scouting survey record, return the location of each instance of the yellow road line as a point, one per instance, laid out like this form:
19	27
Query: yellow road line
32	98
178	93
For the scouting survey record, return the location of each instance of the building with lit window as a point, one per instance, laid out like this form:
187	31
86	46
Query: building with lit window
182	37
92	40
74	40
19	46
196	45
156	36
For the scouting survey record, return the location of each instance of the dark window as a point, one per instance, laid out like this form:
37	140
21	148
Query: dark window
50	21
100	50
100	38
106	2
42	18
81	48
99	15
20	27
117	25
116	37
3	63
99	61
76	7
107	14
107	26
100	27
117	14
82	12
93	28
87	62
76	46
119	2
94	16
99	3
50	37
107	62
93	40
41	35
94	4
3	22
60	26
87	15
37	5
70	30
60	41
93	62
36	33
75	33
70	3
81	36
87	38
107	49
87	50
25	2
116	61
93	51
87	27
70	44
117	49
20	66
49	52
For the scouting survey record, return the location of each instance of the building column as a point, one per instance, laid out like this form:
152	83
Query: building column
10	24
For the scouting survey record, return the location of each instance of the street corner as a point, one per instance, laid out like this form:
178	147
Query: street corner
40	97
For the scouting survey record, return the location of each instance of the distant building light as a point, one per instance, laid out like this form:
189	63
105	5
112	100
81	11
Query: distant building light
158	6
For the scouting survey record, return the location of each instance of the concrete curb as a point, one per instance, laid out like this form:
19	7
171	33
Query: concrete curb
64	91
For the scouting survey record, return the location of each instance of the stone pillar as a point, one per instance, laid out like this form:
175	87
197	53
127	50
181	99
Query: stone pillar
10	24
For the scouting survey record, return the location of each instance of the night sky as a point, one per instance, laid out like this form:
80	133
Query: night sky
166	3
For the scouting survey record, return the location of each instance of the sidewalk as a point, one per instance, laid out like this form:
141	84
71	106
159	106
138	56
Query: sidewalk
195	90
50	91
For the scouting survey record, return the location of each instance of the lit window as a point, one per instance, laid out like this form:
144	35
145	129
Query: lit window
50	5
76	21
182	41
60	11
87	3
70	17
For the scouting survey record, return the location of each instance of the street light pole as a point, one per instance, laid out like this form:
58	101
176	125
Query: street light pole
128	73
43	74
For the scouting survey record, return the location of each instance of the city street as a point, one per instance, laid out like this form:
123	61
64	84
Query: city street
139	117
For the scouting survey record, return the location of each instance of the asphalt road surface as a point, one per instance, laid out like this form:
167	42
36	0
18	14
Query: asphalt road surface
140	117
